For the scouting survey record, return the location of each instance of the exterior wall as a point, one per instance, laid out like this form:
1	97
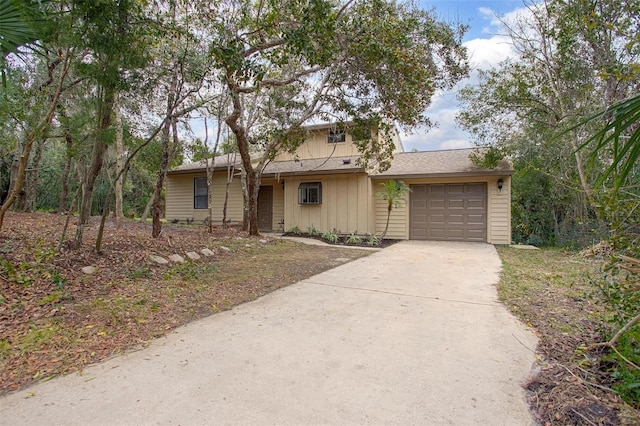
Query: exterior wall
347	204
179	198
316	146
398	220
498	209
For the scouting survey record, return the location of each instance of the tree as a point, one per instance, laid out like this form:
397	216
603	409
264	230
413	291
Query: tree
110	30
528	106
393	191
373	62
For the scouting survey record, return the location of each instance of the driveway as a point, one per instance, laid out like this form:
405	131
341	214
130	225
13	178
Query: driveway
412	334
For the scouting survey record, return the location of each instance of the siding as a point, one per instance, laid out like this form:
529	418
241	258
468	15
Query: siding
398	219
346	204
316	146
498	209
179	198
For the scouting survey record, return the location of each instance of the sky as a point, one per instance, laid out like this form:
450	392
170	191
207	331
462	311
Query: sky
486	48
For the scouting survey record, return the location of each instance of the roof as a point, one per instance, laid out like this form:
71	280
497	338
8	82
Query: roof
314	166
220	162
438	164
453	162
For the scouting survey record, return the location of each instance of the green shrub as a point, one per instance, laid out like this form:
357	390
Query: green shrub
330	236
353	238
372	240
295	231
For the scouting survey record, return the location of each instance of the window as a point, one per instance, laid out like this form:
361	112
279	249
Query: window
200	193
310	193
335	136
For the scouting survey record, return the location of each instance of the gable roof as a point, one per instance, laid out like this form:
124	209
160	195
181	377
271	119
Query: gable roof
453	162
438	164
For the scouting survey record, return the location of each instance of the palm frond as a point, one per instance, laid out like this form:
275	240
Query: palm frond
621	133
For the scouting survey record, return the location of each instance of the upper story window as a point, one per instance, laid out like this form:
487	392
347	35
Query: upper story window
336	136
200	193
310	193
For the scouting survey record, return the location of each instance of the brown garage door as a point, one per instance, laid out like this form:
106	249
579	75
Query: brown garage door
448	212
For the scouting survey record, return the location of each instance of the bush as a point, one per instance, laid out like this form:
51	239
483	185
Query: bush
330	236
353	238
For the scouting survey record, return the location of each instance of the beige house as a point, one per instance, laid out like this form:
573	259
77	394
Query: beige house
322	186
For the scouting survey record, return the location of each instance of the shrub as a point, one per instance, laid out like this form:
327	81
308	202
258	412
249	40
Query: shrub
353	238
372	240
330	236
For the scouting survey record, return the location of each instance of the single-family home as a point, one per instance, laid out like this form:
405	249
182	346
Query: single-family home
322	186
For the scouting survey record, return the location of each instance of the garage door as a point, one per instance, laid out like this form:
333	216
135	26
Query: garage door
448	212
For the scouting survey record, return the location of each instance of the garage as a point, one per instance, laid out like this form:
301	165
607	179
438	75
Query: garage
448	212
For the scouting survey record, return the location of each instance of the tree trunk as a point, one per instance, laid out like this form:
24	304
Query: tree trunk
251	175
389	208
253	187
230	170
31	193
99	149
156	227
66	172
245	200
15	167
103	219
117	116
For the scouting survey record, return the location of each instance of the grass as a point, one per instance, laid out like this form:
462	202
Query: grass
549	288
555	292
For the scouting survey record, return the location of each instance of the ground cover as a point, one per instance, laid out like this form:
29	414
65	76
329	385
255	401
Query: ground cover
553	292
55	319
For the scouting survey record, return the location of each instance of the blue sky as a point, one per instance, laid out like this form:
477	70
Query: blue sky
469	12
486	48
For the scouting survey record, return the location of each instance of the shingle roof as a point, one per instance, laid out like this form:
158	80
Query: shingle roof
314	166
218	163
454	162
438	163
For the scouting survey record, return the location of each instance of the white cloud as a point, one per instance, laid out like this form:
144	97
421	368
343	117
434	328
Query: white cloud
485	53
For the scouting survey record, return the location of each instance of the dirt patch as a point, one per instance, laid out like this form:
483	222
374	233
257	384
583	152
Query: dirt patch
55	319
550	290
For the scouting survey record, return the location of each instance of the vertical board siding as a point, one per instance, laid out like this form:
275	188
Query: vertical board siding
316	146
348	204
179	198
345	204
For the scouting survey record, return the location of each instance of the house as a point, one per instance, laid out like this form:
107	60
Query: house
322	186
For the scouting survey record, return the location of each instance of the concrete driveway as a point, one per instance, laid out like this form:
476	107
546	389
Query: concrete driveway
412	334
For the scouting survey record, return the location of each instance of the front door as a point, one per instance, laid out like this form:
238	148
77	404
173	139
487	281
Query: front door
265	208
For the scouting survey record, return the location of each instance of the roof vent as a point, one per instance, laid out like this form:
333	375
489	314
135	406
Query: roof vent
346	161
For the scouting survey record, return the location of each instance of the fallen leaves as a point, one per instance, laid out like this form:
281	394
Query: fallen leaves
55	319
